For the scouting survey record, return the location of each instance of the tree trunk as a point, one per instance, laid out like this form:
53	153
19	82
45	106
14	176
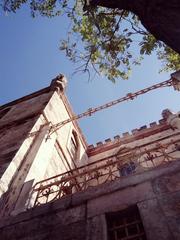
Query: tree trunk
160	17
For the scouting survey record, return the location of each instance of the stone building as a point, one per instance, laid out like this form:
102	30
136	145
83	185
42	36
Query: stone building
54	186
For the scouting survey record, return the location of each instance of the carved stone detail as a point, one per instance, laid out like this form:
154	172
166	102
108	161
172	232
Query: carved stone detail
59	83
173	119
176	80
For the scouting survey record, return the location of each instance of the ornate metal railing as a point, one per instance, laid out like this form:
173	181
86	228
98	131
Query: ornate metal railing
126	162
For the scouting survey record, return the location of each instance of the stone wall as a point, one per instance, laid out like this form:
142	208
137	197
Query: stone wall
57	111
83	215
24	116
31	150
14	128
15	125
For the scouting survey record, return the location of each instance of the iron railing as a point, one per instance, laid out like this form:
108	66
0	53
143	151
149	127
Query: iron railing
124	163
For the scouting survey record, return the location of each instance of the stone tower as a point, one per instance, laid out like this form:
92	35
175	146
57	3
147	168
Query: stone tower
54	186
29	151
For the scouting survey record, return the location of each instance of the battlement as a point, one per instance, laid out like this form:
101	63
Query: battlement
135	134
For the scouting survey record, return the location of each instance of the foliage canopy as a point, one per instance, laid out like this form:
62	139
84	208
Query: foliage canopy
101	39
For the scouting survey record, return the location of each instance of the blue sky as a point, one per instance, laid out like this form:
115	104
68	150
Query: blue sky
30	58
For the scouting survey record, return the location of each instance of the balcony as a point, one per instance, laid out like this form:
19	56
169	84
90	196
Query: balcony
126	162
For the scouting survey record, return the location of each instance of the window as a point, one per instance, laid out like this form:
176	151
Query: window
3	112
127	168
73	145
125	225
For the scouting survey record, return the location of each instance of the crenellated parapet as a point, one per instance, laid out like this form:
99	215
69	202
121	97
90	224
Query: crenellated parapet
135	134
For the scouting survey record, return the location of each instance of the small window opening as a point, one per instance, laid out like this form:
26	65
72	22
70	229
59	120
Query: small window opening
73	145
127	168
125	225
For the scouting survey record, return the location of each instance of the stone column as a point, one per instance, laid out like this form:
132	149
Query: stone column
96	228
154	221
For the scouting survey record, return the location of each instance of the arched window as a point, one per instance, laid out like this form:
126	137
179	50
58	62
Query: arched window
74	145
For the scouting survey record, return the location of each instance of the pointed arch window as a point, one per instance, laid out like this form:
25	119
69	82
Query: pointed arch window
74	145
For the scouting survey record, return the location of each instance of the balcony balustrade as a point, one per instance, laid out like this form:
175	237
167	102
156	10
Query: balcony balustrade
121	165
